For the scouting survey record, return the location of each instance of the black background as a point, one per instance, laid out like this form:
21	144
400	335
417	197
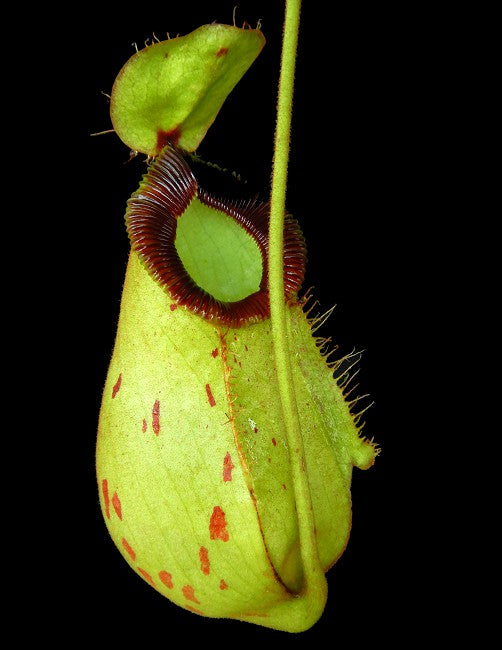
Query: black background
353	187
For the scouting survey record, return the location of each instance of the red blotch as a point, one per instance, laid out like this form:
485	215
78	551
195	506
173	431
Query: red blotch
128	548
214	353
168	137
147	576
210	395
116	388
218	525
222	51
173	306
274	442
255	429
223	585
117	506
189	594
246	347
143	427
106	497
166	578
204	560
156	417
196	611
227	467
283	486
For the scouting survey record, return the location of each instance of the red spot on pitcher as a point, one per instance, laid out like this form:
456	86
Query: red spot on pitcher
204	560
189	594
106	497
218	525
129	549
116	388
166	578
227	467
210	397
117	506
156	417
147	577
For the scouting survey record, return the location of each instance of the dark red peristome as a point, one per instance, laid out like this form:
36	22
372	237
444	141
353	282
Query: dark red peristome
151	218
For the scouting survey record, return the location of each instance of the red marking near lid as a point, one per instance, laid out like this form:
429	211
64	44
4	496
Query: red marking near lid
156	417
173	306
168	137
166	578
255	429
116	388
204	560
223	584
189	594
227	467
214	353
195	611
210	395
274	442
117	506
218	525
143	426
147	576
106	497
128	548
222	51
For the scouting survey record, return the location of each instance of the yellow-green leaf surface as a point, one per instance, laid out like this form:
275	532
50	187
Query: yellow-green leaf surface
193	465
172	91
